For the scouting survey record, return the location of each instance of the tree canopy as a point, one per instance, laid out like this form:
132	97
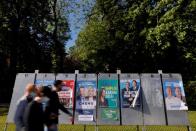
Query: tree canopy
139	36
32	36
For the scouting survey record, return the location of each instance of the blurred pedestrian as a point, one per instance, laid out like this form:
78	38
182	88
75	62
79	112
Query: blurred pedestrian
21	106
52	110
34	113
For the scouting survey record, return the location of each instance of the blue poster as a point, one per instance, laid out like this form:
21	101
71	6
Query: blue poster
174	95
130	92
39	83
86	100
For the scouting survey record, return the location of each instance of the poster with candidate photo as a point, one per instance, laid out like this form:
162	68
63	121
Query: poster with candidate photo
174	95
66	94
108	93
108	99
130	91
40	83
86	100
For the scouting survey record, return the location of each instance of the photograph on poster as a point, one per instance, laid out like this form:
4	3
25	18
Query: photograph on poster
86	100
66	94
108	93
130	90
174	95
108	99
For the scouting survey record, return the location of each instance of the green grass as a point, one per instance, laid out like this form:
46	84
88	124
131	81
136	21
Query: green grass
192	118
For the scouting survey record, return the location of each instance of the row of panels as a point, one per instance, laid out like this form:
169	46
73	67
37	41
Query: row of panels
108	99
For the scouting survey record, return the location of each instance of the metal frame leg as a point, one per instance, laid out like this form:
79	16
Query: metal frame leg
137	127
96	128
143	128
84	127
5	129
189	128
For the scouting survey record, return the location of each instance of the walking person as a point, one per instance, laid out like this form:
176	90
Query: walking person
21	106
34	114
52	110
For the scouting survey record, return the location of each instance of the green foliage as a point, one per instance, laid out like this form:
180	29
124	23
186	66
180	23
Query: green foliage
191	93
32	36
139	36
30	29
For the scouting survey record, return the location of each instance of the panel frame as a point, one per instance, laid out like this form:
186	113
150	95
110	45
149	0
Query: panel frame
86	77
107	76
175	117
152	114
22	79
63	117
136	112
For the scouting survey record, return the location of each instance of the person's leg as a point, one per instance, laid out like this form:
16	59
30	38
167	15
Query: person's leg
45	128
53	127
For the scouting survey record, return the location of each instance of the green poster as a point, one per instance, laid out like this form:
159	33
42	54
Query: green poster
109	114
108	93
108	99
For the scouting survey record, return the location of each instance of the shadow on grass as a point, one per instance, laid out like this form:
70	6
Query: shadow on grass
192	109
3	109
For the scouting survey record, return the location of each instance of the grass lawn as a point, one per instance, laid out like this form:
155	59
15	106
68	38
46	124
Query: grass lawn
192	118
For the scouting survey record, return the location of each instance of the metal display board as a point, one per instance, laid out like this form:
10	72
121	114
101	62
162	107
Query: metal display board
131	102
153	105
86	96
22	79
66	96
108	100
176	107
153	99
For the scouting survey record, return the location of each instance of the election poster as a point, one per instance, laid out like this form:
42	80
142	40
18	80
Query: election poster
66	94
86	100
108	93
40	83
130	91
174	95
108	99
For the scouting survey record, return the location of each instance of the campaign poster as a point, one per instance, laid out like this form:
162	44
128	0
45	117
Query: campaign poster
174	95
108	99
66	94
130	91
40	83
86	100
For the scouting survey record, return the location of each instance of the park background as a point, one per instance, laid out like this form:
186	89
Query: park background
135	36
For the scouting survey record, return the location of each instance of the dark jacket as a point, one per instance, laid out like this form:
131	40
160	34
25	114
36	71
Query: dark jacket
34	117
19	114
52	109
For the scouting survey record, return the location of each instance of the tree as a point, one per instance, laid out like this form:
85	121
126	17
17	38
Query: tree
139	36
32	36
